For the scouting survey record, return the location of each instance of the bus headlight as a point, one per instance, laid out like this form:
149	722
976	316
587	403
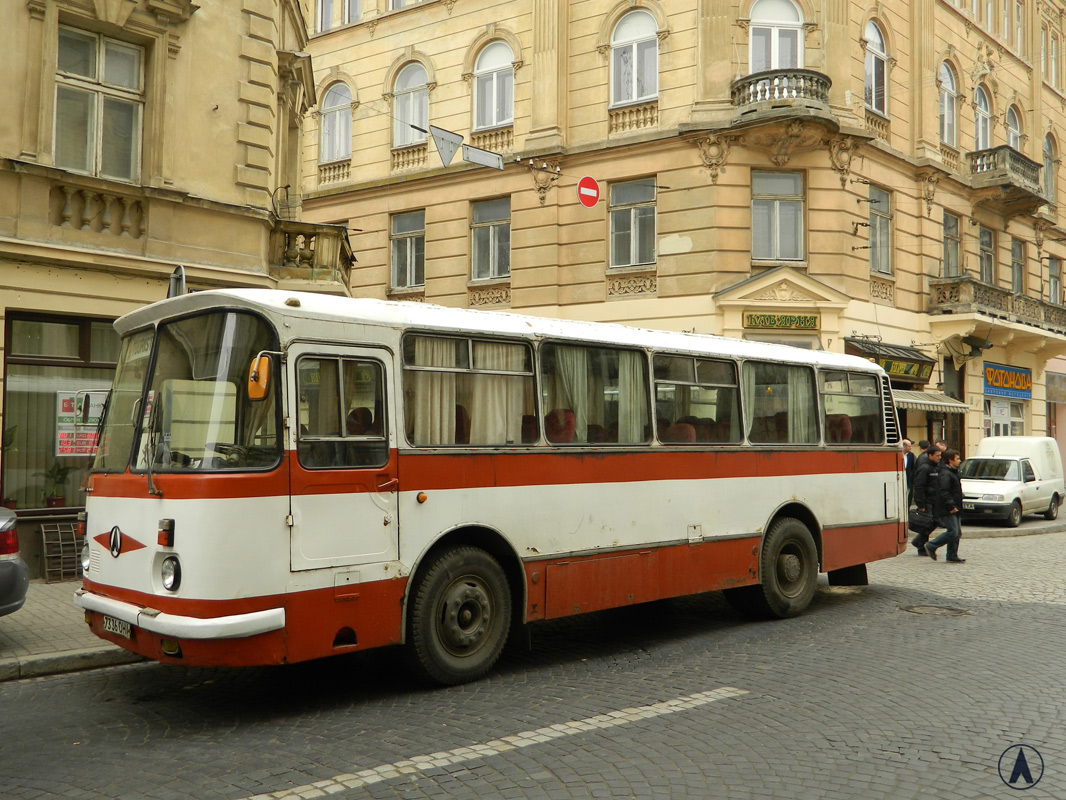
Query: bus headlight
85	559
170	571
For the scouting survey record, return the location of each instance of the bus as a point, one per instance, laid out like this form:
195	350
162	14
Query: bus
284	476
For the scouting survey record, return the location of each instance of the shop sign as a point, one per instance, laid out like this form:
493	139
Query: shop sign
907	369
791	322
1003	381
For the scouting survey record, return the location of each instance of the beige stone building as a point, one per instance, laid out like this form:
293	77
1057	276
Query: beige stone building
137	136
877	177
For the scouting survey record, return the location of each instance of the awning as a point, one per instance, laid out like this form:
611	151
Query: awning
901	363
928	401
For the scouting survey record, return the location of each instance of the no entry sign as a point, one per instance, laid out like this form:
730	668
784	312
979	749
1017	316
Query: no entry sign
588	191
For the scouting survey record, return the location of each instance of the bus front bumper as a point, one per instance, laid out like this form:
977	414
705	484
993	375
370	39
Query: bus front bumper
179	627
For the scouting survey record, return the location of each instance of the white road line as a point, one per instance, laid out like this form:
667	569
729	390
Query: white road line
476	752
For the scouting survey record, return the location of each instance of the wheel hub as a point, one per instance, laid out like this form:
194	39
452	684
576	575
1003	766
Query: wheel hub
467	613
789	567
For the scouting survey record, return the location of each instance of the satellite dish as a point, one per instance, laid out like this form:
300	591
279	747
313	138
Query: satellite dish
976	342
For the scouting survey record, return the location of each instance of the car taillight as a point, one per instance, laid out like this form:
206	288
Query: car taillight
9	543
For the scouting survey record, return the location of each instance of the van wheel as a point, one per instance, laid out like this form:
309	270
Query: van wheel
1014	519
788	566
1053	509
459	617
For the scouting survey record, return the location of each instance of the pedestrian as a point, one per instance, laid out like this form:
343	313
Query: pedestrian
926	486
908	469
923	448
948	508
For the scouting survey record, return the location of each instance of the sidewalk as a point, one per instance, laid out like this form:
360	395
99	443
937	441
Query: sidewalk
48	635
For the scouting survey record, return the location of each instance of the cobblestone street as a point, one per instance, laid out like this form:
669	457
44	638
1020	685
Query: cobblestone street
911	687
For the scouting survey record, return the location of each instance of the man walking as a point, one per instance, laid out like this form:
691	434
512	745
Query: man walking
948	504
908	469
926	485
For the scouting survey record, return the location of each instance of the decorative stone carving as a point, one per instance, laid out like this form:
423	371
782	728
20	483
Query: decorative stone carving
490	296
783	292
544	177
630	284
929	180
714	150
840	153
783	142
883	292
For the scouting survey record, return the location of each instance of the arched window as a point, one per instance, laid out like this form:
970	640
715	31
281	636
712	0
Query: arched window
1049	168
634	59
410	106
776	36
982	139
336	140
876	69
494	87
1014	128
949	101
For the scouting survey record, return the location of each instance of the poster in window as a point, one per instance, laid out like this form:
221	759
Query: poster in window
77	419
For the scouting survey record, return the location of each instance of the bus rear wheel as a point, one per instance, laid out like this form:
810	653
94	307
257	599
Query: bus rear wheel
459	617
788	566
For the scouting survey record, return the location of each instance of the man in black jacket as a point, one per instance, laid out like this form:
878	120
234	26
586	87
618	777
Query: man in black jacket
908	469
926	488
948	507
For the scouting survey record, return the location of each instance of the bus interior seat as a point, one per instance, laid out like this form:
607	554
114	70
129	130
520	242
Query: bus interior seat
462	425
837	428
360	420
559	426
529	429
680	433
596	433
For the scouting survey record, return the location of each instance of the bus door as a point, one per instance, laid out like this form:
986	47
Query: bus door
343	476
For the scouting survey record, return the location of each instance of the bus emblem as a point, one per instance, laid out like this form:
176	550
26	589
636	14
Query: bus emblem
116	542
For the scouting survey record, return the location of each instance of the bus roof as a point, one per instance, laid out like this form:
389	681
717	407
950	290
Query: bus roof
309	306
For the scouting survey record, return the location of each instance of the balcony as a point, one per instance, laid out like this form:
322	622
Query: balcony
781	92
965	294
311	257
1006	181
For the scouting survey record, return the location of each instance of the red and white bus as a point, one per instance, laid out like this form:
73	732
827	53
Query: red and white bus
286	476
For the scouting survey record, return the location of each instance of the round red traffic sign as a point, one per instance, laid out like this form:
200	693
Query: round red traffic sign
588	191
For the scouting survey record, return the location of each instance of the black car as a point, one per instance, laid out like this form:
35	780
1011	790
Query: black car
14	575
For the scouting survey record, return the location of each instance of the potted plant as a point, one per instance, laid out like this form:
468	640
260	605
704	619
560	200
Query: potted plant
55	478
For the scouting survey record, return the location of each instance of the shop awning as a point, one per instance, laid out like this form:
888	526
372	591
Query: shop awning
907	364
928	401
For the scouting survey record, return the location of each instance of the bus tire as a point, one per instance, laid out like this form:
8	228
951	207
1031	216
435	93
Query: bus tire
459	617
788	567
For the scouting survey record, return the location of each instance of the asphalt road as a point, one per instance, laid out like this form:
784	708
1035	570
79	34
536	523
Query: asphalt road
914	686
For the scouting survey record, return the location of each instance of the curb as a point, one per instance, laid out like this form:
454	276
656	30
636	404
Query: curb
17	668
971	532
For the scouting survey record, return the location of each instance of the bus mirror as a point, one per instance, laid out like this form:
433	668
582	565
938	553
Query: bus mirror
259	377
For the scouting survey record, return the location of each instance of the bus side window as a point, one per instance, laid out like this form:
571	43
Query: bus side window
341	405
851	406
696	400
779	405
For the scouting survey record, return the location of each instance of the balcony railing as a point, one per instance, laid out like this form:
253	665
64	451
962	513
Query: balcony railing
780	88
310	254
965	294
1004	166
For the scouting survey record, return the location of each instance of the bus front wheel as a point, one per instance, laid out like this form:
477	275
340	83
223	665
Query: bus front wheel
789	569
459	617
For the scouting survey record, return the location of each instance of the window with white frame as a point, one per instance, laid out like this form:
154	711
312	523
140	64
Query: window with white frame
990	15
880	230
323	15
410	106
1054	280
99	105
1014	128
776	36
395	5
1019	28
1050	163
331	13
777	216
634	59
952	245
1053	60
876	69
1005	31
408	249
1017	266
336	138
986	255
491	235
494	87
1043	51
982	110
949	101
632	214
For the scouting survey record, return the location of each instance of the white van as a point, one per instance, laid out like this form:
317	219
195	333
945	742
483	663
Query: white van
1010	476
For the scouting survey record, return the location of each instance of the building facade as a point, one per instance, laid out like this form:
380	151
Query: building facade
139	136
879	178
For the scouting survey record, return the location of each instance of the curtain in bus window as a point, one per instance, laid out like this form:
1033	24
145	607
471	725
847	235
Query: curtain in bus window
632	397
779	404
801	406
433	407
497	401
571	386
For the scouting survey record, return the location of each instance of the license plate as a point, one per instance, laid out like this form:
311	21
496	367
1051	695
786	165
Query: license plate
967	506
117	626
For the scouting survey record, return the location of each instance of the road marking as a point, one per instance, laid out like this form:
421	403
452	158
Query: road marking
475	752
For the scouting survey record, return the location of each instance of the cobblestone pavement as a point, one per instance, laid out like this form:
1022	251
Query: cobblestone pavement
911	687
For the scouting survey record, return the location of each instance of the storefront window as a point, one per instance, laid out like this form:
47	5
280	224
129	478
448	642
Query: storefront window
59	370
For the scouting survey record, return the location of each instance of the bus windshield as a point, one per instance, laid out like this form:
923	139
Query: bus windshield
195	413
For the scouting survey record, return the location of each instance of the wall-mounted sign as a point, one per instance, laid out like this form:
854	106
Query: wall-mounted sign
791	322
1003	381
906	369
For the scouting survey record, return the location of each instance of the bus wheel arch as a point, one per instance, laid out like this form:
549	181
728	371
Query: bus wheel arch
462	601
